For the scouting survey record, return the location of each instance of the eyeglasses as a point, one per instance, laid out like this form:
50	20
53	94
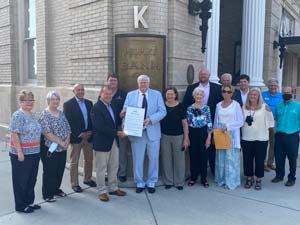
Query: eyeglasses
228	92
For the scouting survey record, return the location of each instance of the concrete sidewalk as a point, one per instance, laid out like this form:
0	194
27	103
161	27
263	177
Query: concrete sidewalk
275	204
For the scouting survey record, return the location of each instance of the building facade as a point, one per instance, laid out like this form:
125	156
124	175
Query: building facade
51	45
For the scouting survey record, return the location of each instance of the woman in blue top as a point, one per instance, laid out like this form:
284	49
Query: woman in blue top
200	128
24	153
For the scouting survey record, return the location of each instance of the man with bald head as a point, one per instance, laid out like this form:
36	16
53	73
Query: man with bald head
77	111
287	117
211	98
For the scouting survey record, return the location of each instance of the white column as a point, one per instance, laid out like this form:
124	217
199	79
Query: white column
252	53
212	54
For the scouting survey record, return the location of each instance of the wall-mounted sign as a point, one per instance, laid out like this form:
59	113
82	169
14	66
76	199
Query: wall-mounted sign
140	54
190	74
138	16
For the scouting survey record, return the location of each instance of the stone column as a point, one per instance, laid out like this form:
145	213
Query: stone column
252	52
212	54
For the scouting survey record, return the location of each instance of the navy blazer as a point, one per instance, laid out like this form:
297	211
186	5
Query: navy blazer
237	96
75	118
214	97
104	127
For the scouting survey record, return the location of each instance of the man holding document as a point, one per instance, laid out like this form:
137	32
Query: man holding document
146	107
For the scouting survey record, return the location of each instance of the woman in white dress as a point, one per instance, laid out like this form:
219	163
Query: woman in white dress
228	117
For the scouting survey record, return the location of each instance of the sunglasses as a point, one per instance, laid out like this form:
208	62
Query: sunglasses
228	92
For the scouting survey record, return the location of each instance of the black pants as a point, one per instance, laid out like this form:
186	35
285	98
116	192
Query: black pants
24	176
286	145
254	152
198	153
53	171
212	157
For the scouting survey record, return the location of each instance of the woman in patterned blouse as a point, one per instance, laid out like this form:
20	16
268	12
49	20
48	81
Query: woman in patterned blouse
56	131
24	153
200	128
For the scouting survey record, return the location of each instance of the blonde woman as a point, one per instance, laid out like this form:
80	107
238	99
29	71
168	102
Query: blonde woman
229	117
255	137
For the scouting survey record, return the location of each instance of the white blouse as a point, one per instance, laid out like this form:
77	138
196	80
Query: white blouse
262	121
232	118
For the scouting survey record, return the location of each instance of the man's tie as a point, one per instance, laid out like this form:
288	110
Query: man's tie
145	105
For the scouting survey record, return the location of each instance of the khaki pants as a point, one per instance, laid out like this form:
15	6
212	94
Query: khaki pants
74	160
123	155
107	163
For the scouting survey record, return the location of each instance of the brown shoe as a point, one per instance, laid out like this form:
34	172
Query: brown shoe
272	167
118	193
104	197
289	183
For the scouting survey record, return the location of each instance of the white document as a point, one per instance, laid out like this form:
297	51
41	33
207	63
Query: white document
134	121
53	147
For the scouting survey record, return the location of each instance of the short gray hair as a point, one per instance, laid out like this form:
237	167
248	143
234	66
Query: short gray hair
272	80
197	90
143	77
228	75
50	94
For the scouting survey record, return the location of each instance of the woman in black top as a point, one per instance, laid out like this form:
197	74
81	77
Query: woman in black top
174	141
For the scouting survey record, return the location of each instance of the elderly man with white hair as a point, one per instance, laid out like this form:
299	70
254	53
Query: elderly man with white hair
152	101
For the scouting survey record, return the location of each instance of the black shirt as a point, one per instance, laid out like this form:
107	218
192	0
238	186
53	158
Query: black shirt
172	123
118	101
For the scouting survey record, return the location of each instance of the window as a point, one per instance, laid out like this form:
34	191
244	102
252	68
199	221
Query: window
286	24
30	40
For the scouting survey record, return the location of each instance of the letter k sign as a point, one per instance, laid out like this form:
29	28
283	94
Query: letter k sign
138	16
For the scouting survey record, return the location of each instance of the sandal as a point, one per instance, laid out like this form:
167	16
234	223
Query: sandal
205	184
249	183
258	185
60	193
191	183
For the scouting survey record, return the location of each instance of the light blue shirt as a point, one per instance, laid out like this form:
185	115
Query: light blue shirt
272	100
108	106
83	110
287	117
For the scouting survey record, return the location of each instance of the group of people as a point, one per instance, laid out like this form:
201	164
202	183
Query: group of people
170	127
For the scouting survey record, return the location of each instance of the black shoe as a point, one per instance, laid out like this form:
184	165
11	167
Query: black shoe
276	180
26	210
77	189
168	186
60	193
90	183
35	206
122	178
180	188
151	190
51	200
139	190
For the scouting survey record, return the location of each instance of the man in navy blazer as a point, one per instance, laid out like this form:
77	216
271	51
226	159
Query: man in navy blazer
212	97
105	132
155	111
77	111
241	95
